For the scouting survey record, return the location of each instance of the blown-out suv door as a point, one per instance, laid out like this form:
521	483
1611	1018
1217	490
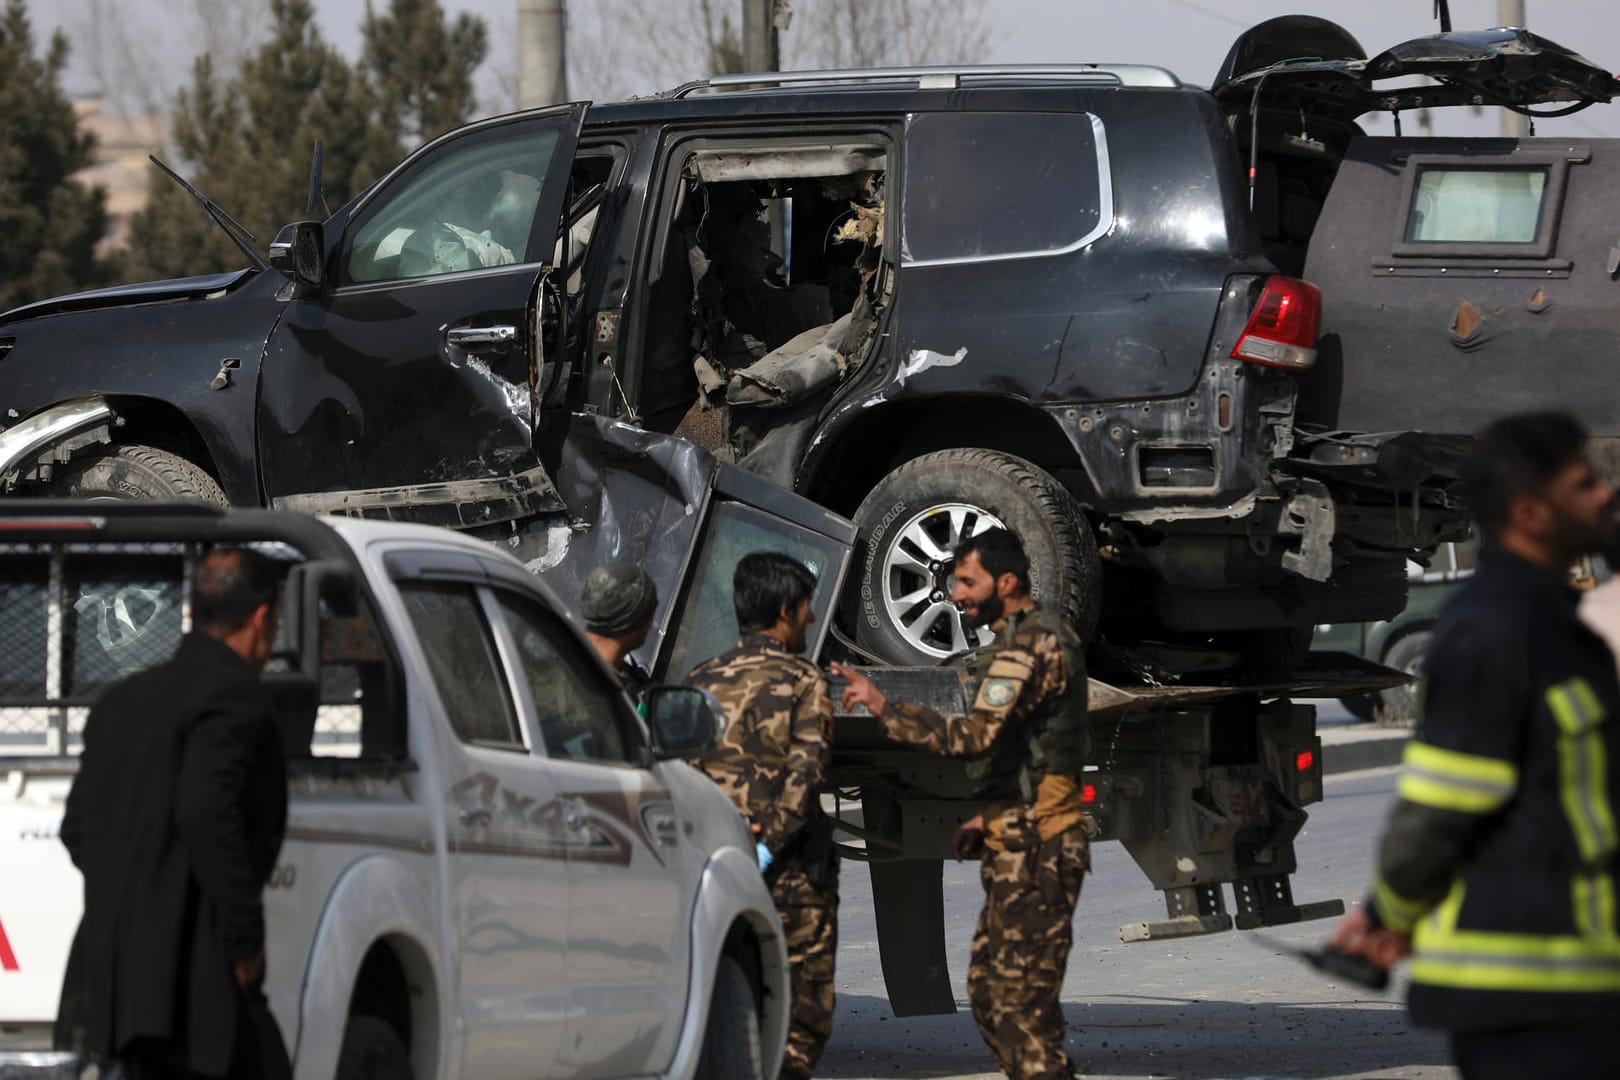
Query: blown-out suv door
408	385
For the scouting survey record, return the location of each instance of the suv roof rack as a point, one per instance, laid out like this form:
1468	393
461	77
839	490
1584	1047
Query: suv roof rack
947	77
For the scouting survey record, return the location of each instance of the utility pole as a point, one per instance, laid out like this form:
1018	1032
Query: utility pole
542	27
1511	13
761	41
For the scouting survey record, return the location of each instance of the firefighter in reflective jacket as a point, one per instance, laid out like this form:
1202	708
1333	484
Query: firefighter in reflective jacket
1497	869
1025	741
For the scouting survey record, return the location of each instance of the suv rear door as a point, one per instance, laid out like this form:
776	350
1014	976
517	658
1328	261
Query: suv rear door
408	385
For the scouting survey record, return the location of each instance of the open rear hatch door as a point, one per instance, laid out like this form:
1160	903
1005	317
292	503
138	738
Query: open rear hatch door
1316	65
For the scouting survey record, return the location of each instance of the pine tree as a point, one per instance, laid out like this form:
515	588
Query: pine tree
50	222
246	141
421	67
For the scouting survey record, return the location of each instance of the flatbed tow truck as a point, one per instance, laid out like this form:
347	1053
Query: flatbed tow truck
1204	785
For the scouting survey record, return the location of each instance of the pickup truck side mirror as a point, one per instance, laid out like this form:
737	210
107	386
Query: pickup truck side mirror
684	720
299	251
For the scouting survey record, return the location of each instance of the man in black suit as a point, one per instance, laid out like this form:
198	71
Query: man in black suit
176	819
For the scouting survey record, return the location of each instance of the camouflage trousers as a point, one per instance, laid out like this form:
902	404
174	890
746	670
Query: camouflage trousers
809	913
1021	950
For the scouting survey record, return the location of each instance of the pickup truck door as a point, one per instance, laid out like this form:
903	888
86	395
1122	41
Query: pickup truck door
409	385
508	874
629	910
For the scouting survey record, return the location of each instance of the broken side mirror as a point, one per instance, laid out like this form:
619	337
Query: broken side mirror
299	251
683	719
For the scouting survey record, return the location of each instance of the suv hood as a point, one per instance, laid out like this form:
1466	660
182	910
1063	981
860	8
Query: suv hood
145	292
1300	60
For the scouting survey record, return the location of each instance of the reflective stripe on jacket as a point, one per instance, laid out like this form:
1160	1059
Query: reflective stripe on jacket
1500	855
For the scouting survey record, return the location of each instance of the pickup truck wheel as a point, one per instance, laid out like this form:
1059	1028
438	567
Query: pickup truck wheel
899	598
1406	653
731	1039
131	471
372	1051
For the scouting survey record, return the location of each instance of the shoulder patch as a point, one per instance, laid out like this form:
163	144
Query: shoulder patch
998	693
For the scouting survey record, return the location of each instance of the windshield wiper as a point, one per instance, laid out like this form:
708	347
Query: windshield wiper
231	227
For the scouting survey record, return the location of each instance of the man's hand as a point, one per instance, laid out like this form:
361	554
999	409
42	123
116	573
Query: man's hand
860	691
250	972
1356	936
968	843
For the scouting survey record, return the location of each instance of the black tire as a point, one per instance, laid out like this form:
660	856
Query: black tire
1270	654
132	471
731	1049
1362	706
1406	653
372	1050
987	487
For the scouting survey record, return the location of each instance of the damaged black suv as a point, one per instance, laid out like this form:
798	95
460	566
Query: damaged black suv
1073	299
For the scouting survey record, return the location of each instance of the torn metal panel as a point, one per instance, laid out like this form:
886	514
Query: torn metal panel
456	504
793	373
787	163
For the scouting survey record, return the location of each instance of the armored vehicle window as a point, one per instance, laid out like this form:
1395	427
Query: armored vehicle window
461	657
467	210
579	714
1003	186
1477	206
709	623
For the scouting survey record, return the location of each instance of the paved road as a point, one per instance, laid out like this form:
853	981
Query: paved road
1216	1007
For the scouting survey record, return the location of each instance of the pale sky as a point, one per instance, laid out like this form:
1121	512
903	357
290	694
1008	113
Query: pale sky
1190	37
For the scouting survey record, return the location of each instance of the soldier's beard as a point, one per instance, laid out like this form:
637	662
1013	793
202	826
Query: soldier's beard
984	613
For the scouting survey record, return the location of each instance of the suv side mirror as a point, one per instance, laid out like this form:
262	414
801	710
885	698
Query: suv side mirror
299	251
684	720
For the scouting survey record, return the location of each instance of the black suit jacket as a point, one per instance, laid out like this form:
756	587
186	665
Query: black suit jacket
175	819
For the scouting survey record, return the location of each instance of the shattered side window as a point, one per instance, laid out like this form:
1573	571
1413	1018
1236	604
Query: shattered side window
1003	185
1477	206
470	209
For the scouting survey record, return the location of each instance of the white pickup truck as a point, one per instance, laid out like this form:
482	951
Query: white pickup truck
493	868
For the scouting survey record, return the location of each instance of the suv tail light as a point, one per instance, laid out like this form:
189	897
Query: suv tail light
1282	328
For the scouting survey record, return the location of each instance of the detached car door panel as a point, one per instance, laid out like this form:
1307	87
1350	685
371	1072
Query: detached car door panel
407	387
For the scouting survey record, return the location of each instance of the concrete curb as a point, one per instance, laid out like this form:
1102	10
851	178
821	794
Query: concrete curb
1362	746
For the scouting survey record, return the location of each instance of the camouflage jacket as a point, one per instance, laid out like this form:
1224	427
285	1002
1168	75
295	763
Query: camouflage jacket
1028	669
778	739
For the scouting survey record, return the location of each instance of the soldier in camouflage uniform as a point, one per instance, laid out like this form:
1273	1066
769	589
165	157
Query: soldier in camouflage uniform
1026	744
770	761
617	605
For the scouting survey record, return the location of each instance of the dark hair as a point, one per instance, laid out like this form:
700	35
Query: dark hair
1514	456
765	582
999	552
230	585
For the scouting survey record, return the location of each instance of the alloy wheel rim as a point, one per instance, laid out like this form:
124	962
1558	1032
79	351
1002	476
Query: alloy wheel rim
917	579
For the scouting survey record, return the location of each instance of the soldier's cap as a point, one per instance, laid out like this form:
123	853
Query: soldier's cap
617	599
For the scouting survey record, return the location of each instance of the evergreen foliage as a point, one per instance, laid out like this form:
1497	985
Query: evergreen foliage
245	138
50	223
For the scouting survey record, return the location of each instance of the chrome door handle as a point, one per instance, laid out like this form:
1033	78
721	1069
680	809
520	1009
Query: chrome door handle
474	815
466	337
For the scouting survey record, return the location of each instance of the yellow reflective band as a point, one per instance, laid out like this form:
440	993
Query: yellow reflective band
1587	975
1593	895
1452	780
1583	768
1394	910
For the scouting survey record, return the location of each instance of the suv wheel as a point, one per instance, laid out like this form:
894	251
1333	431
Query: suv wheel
131	471
899	599
731	1039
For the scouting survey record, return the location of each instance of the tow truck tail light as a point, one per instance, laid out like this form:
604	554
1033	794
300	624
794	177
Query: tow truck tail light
1304	761
1088	793
1282	328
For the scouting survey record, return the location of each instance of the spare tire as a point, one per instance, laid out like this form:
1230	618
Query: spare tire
132	471
897	601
